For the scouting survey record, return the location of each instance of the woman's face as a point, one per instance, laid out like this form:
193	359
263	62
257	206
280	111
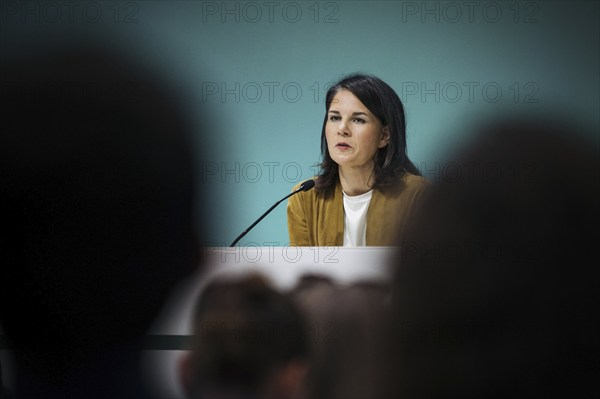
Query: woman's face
353	133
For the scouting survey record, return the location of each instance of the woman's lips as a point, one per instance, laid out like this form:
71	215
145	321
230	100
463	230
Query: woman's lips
343	146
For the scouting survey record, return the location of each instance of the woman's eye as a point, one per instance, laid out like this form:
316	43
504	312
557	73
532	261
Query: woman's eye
334	118
359	120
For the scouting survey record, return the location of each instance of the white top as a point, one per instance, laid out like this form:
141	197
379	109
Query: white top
355	219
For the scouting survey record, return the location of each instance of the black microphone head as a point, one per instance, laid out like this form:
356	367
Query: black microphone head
307	185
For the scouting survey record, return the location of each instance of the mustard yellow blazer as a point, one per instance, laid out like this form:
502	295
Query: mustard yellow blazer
317	221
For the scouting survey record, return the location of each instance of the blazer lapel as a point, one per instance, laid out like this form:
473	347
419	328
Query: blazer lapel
338	215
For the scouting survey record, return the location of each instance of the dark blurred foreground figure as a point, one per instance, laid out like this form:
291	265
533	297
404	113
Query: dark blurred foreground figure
496	293
250	341
346	325
97	217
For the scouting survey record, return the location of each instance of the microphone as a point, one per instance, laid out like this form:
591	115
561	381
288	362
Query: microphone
305	186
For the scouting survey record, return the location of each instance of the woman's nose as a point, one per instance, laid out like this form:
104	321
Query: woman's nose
343	129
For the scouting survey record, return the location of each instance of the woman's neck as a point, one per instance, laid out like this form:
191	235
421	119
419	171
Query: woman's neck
356	181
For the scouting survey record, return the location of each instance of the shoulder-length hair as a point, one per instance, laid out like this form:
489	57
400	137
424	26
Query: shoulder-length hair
391	161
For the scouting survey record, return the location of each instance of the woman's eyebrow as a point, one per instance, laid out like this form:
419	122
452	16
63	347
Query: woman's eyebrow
332	111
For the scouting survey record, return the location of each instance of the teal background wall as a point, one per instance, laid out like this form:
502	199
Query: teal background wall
261	70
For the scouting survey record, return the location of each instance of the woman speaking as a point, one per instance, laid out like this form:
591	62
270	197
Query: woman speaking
367	185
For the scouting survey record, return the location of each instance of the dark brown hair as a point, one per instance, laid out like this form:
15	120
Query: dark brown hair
391	161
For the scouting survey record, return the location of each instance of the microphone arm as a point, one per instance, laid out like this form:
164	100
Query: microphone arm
307	185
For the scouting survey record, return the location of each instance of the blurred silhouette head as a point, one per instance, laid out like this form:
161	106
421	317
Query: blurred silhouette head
97	209
346	327
494	295
249	341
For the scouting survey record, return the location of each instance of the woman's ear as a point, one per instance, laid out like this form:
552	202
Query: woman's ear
385	137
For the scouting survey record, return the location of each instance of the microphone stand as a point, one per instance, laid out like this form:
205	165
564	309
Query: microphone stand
304	187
